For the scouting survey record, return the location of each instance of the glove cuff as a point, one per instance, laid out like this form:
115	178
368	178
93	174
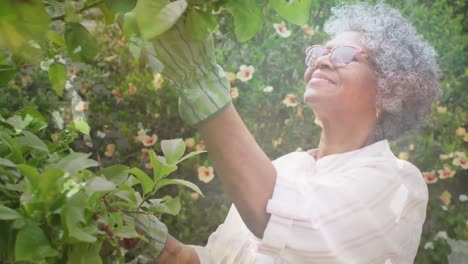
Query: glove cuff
203	97
155	233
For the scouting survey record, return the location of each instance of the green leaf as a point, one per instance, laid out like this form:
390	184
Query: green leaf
191	154
73	218
75	162
130	26
165	182
58	77
7	72
117	174
33	141
81	45
166	205
83	253
160	167
18	123
7	213
120	6
248	18
155	17
296	12
32	245
82	126
173	149
146	183
126	232
99	184
199	24
55	38
7	163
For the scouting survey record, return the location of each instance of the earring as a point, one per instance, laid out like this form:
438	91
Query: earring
377	112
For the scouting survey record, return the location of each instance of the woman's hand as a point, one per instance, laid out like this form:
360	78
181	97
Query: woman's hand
190	64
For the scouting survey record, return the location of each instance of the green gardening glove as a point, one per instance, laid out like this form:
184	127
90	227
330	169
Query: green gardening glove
155	234
203	85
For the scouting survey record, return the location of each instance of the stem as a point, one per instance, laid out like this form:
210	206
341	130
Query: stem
86	7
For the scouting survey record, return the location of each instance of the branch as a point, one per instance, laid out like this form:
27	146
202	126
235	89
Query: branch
86	7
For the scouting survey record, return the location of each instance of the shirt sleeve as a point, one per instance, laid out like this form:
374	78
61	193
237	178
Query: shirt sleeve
369	214
232	242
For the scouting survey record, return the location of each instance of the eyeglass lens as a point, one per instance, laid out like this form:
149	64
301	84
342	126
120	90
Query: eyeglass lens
340	56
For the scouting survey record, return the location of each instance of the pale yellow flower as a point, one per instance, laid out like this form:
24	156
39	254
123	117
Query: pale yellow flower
460	132
81	106
299	111
190	142
132	89
411	147
200	146
245	73
234	92
443	156
149	165
282	30
465	138
308	30
194	196
268	89
299	149
231	77
158	81
146	140
461	161
430	177
149	141
205	174
403	155
441	109
277	142
445	197
110	150
446	172
290	100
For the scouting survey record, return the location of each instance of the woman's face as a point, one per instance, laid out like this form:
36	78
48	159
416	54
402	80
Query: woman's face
345	90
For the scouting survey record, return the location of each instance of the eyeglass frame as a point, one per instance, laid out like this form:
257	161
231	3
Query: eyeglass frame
358	50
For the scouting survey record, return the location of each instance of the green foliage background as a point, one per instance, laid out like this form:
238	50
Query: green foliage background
117	81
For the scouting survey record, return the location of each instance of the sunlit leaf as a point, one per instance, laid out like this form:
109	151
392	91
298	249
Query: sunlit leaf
55	37
248	18
99	184
7	213
120	6
198	24
165	182
146	183
58	77
117	174
296	11
155	17
7	72
160	167
81	45
82	126
75	162
32	245
173	149
167	205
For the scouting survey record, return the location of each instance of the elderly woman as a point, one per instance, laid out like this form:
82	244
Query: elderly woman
350	200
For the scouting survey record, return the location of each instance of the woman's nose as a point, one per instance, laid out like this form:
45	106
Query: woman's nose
324	62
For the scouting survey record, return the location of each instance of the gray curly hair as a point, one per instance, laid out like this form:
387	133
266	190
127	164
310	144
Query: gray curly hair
406	67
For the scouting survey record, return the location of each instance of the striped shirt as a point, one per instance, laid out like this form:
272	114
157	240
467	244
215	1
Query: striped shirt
362	206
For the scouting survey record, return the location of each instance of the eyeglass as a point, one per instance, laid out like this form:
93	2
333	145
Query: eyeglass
339	56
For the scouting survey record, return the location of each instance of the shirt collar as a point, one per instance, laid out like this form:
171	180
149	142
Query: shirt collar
378	149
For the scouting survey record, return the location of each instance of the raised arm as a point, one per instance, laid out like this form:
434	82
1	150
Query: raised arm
246	172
